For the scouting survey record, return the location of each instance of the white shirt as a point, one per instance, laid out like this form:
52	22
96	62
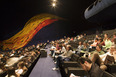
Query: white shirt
1	71
53	47
19	71
63	50
103	57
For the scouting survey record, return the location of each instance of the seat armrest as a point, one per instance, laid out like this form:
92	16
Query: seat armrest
111	68
107	74
78	71
70	64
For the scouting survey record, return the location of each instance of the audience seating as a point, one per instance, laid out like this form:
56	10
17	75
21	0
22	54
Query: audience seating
112	69
106	74
3	74
73	66
30	67
72	63
78	71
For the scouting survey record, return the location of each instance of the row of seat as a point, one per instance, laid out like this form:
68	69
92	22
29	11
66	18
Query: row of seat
30	67
72	66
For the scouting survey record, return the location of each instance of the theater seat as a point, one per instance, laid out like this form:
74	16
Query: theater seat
72	63
106	74
111	68
78	71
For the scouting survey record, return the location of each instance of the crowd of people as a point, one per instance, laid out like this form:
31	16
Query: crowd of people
94	54
14	63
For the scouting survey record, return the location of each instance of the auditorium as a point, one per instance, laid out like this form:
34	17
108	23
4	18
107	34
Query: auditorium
58	38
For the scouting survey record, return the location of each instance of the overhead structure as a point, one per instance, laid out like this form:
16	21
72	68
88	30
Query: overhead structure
101	11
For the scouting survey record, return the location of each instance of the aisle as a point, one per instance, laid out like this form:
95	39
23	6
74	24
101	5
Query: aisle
43	68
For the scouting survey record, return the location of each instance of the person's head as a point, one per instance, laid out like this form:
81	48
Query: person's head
33	46
98	47
63	45
85	63
1	55
68	47
112	48
105	35
84	34
114	35
84	43
13	51
97	36
96	40
80	43
115	41
57	44
75	37
21	64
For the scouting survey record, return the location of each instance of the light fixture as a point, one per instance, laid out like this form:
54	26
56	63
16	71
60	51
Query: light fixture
53	4
54	0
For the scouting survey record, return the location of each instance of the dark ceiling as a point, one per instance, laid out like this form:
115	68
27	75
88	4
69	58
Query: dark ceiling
15	13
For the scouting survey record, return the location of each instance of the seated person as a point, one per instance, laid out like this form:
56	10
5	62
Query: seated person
1	67
92	68
21	68
108	43
53	48
98	50
79	48
114	36
101	42
105	37
114	55
114	42
85	47
95	43
97	36
58	49
63	49
4	59
64	56
11	72
37	46
1	56
12	53
75	39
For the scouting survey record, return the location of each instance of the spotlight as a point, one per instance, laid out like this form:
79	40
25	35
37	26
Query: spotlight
54	4
54	0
